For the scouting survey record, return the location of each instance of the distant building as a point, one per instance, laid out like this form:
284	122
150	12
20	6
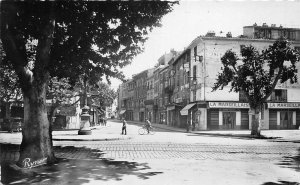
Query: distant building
271	32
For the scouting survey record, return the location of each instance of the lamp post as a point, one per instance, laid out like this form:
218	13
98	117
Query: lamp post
85	119
85	122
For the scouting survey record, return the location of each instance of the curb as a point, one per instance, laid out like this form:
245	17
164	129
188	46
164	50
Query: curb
157	126
104	139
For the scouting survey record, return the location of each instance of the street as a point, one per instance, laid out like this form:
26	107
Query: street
168	157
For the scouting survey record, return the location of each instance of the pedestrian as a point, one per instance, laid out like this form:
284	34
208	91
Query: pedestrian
148	125
188	126
193	125
124	130
104	120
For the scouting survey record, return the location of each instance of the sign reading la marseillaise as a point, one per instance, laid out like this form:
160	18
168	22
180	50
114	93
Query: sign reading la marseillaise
283	105
229	105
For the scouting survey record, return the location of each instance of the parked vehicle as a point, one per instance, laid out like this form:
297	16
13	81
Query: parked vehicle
12	124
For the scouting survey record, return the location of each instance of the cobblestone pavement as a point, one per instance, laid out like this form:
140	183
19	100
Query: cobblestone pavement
242	162
149	150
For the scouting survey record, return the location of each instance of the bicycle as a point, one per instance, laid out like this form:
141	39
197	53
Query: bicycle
144	130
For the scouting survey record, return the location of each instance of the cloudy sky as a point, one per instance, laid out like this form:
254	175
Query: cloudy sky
190	19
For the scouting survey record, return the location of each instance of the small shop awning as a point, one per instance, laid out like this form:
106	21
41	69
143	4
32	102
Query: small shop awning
185	110
122	111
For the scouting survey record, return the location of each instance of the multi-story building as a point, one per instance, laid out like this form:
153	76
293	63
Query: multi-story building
179	86
149	102
156	94
212	110
271	32
140	95
182	90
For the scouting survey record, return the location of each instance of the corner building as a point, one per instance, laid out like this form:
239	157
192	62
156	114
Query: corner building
225	110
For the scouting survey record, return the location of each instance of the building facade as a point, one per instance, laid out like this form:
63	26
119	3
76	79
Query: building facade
182	87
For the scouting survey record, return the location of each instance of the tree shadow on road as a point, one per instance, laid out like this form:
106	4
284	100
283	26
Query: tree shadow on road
86	169
291	162
281	183
240	136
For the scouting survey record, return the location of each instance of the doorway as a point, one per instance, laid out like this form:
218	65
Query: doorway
229	120
286	119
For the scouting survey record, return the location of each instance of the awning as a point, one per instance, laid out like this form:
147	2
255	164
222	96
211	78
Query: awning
185	110
122	111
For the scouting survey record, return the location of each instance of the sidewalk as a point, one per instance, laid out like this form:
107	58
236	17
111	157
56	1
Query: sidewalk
113	132
99	133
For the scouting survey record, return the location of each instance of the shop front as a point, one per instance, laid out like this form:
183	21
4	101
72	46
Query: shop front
185	112
149	112
228	116
284	115
171	115
162	117
142	115
199	116
122	115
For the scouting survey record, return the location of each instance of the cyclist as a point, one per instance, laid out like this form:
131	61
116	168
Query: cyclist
148	125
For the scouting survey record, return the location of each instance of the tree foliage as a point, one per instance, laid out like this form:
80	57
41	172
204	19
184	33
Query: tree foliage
88	38
68	39
9	88
60	93
257	73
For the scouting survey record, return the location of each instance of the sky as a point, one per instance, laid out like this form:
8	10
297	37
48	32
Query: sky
190	19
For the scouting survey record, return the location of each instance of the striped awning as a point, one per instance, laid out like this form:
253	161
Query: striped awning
185	110
122	111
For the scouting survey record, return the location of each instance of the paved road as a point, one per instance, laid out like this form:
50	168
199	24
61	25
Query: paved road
178	158
165	144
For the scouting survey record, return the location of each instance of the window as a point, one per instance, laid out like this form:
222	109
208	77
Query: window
242	96
195	51
229	120
286	119
279	95
194	95
194	72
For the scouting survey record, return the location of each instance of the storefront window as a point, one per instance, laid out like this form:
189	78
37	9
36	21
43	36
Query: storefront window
286	119
229	120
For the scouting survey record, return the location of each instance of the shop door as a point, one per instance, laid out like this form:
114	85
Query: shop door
286	119
141	116
170	118
229	121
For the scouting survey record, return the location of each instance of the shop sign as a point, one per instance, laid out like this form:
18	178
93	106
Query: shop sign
171	107
229	105
283	105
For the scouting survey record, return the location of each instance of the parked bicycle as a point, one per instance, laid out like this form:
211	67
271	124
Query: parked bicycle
144	130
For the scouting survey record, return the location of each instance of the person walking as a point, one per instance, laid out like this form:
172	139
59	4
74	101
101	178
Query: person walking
188	126
148	125
124	130
104	120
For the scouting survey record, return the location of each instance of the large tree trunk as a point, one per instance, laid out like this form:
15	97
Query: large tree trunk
36	146
37	137
255	126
